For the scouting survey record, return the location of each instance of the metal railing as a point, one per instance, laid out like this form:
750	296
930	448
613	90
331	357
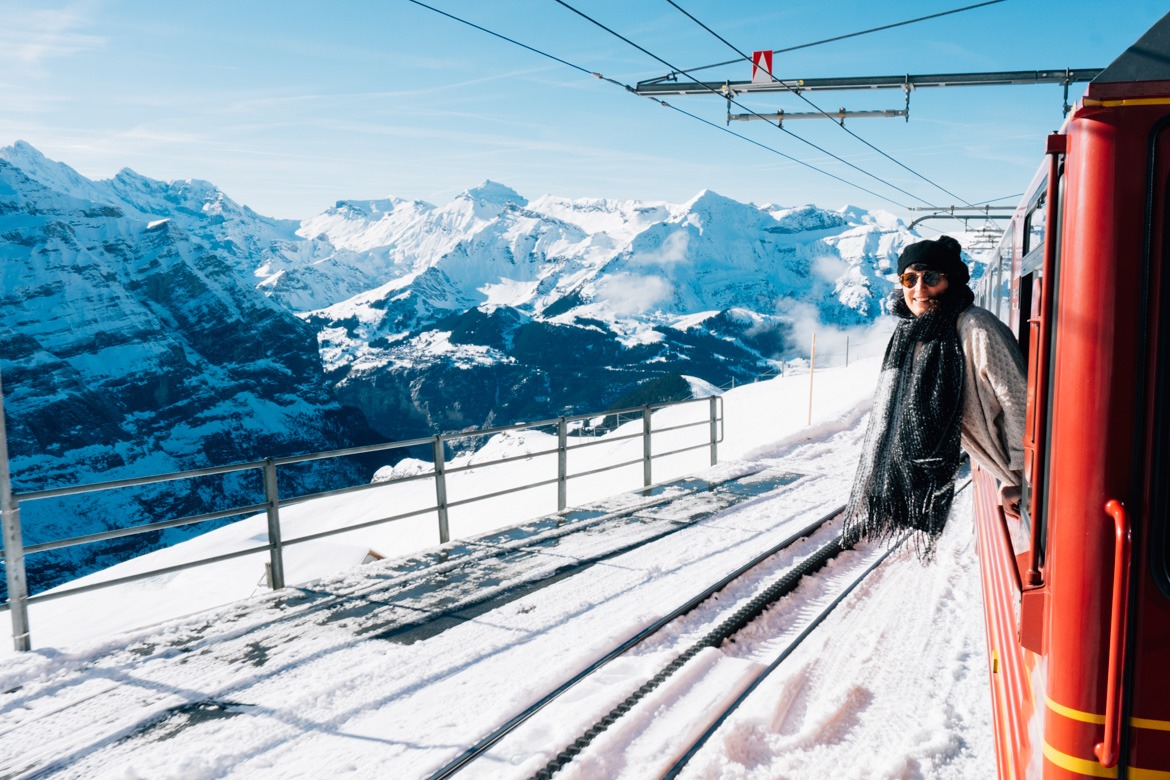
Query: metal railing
15	551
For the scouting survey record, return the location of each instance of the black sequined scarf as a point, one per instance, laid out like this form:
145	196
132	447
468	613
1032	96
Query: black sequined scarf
906	478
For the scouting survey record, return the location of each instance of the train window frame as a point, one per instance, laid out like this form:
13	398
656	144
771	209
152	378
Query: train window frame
1039	555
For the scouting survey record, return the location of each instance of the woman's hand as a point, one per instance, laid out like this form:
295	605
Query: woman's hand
1009	499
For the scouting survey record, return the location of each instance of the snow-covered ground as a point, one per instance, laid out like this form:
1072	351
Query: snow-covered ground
892	685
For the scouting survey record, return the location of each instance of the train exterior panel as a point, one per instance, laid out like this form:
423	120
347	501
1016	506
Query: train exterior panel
1077	592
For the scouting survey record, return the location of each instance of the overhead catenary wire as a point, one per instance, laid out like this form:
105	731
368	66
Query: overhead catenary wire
745	57
989	201
833	39
511	40
664	104
714	91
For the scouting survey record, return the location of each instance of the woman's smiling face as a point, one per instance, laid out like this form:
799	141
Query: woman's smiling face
921	297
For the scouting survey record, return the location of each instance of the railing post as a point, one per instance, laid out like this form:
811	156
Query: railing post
275	549
14	567
646	480
13	545
441	489
562	464
714	431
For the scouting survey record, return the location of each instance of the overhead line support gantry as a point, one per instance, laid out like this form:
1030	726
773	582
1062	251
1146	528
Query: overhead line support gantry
908	83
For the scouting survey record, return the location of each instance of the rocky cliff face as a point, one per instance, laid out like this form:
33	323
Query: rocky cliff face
152	326
130	344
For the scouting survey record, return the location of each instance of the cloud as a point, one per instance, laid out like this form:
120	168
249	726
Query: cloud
673	249
626	294
32	37
829	267
833	343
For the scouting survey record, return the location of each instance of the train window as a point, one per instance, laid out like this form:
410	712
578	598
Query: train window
1026	284
1034	227
995	274
1003	278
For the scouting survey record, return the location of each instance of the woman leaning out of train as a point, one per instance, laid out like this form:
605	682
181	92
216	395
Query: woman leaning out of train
952	375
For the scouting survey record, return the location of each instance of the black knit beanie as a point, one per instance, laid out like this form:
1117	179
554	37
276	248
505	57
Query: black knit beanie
943	255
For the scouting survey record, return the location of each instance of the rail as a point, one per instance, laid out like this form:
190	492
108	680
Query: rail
15	550
487	742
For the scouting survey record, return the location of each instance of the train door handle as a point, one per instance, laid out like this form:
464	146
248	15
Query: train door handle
1107	750
1008	548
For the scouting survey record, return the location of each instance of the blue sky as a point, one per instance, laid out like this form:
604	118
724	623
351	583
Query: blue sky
290	106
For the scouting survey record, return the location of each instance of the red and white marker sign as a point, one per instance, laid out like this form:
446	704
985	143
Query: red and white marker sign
762	67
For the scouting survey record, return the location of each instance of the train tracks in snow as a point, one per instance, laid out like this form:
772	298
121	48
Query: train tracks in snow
701	625
404	640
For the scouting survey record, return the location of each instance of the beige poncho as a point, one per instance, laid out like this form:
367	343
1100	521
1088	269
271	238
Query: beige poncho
994	389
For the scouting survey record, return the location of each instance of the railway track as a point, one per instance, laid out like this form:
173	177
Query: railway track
484	744
766	659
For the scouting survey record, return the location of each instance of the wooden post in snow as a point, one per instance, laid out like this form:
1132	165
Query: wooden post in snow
812	367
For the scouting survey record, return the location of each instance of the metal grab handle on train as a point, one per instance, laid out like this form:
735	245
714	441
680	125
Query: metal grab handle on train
1013	567
1106	750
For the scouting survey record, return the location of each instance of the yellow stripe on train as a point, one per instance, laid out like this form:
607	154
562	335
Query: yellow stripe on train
1099	720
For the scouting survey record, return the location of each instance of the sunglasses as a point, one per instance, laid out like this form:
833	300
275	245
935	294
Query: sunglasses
929	278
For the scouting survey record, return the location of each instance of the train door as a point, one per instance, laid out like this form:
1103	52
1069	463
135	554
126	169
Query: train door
1144	738
1103	505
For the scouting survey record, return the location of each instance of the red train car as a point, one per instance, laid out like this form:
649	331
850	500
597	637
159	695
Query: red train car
1077	592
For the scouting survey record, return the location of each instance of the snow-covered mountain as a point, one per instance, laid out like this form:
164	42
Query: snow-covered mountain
498	308
133	342
151	326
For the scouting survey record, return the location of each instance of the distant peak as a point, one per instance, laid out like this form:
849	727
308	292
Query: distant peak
22	149
198	186
705	196
27	157
494	192
129	176
53	175
711	211
707	200
378	208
